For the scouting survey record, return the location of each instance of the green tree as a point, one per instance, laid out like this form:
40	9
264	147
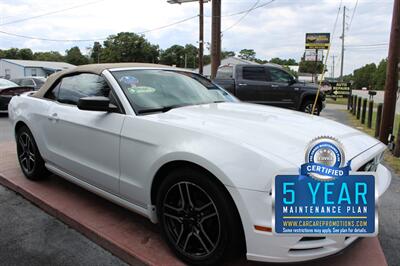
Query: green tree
310	67
283	62
174	55
247	54
96	52
192	56
48	56
25	54
364	76
11	53
129	47
226	54
379	76
75	57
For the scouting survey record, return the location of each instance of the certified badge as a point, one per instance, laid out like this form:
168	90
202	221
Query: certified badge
325	159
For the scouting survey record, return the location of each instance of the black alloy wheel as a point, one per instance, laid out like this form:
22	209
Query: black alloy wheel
198	218
192	220
308	106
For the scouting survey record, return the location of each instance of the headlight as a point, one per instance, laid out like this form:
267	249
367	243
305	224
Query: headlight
372	165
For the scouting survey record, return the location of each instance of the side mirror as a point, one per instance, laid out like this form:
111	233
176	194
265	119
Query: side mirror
95	103
292	81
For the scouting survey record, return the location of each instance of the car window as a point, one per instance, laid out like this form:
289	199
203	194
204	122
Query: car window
225	72
27	82
70	89
254	73
4	83
278	75
16	81
39	82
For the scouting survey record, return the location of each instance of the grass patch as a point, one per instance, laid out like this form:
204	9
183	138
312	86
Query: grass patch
392	161
342	101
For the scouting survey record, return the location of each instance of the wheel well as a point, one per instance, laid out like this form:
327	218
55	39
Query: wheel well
18	126
310	98
168	167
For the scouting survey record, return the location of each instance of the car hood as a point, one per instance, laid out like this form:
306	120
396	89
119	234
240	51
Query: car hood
280	132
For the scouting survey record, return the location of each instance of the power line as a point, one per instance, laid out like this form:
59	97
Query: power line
95	39
352	16
337	18
246	13
367	45
51	13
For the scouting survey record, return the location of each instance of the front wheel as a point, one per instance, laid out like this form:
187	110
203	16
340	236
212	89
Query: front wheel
197	219
307	107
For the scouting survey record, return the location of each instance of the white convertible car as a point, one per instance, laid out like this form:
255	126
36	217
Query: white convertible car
174	147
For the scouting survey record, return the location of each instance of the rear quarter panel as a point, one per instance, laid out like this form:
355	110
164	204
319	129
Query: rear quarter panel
31	111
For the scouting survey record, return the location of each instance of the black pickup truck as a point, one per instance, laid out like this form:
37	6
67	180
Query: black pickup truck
269	84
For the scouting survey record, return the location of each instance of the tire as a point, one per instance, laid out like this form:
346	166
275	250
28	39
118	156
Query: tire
206	228
29	158
307	106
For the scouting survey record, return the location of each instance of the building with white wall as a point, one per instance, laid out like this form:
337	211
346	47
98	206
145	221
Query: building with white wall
13	68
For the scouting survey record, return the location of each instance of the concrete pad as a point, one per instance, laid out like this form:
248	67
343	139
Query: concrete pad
127	235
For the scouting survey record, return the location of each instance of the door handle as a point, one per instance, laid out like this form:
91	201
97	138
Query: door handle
53	117
296	89
242	84
274	86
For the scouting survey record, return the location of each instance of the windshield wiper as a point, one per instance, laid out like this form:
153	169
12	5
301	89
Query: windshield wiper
160	109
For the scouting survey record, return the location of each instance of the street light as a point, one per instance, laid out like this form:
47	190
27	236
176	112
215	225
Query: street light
201	27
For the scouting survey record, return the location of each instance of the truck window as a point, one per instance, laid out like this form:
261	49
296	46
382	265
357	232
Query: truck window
278	75
225	72
254	73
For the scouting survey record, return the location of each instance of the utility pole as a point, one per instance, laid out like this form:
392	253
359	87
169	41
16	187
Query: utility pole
389	103
201	36
342	37
333	66
201	28
215	37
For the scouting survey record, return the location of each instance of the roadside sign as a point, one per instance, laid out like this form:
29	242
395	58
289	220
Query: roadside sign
311	55
340	89
318	40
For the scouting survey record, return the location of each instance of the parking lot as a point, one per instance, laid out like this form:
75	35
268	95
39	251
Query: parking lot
32	237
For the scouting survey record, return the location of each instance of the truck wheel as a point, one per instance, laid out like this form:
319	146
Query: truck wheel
30	160
307	106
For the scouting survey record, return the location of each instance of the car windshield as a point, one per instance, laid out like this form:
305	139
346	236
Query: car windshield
152	90
4	83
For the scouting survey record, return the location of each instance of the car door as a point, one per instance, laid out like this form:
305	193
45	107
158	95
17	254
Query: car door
84	144
284	95
252	85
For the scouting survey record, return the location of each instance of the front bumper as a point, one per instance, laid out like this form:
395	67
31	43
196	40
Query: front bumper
255	209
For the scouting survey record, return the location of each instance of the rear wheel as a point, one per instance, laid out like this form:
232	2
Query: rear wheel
30	160
307	107
198	222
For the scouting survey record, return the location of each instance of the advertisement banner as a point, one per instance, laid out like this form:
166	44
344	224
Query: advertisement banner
325	197
318	40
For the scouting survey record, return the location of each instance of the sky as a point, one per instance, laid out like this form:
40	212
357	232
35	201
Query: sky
275	30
